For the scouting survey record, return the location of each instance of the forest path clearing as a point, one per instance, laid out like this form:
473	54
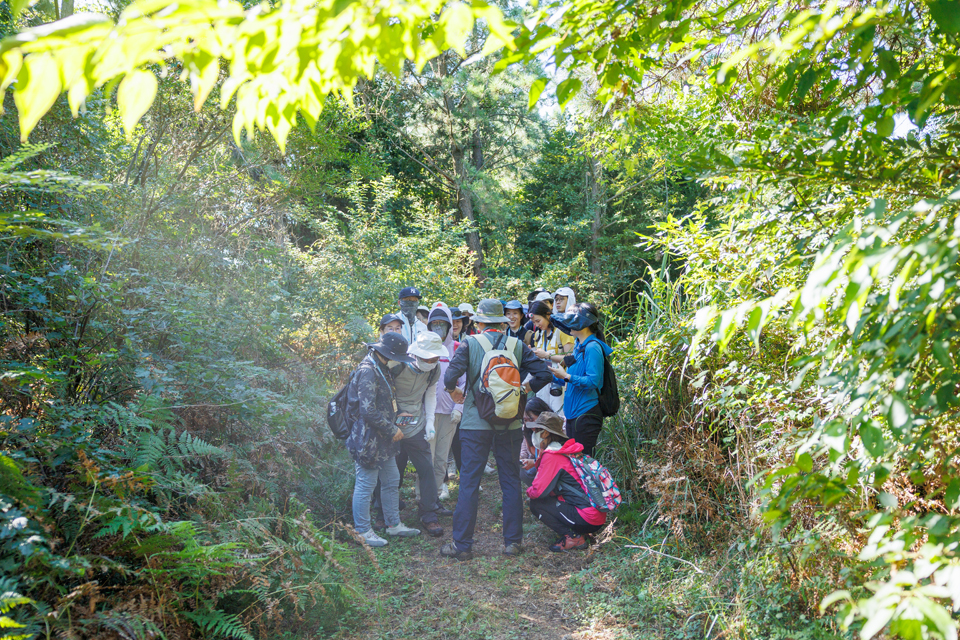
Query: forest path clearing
423	595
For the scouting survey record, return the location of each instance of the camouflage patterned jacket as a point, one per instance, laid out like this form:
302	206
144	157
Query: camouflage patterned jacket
372	404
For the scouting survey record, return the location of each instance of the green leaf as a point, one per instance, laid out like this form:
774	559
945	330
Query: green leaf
872	439
885	126
38	85
833	598
567	89
17	6
951	498
134	97
536	89
946	14
805	462
456	22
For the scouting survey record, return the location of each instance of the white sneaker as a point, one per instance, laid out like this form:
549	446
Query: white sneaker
372	539
444	492
403	531
489	469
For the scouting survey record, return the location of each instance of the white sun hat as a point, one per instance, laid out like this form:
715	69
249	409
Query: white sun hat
467	308
428	345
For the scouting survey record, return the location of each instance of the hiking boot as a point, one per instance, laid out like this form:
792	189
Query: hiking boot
489	469
443	511
451	551
433	529
569	543
444	493
372	539
513	549
402	531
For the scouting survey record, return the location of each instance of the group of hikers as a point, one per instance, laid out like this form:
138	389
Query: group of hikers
444	386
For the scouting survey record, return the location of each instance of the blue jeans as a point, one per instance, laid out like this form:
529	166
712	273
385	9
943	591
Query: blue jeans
389	477
474	448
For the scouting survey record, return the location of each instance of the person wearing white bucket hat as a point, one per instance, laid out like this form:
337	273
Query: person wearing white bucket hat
415	386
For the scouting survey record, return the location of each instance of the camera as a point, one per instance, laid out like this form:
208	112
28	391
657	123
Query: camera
556	389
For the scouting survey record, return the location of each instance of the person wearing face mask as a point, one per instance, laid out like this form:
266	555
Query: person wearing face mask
409	301
416	389
440	322
373	438
558	498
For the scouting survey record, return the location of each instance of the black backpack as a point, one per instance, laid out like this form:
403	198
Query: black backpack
609	394
338	413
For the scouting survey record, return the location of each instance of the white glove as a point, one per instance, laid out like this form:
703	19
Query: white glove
431	432
455	417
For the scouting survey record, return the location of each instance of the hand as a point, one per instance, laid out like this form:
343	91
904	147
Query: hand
398	436
526	387
404	413
528	464
540	353
455	417
430	433
457	395
559	372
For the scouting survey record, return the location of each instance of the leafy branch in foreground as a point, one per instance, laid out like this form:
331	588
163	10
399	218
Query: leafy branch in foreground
279	61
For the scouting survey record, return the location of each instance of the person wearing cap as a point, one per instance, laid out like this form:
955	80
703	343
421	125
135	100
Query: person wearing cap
469	329
583	377
415	385
373	438
558	497
409	301
514	312
478	437
440	321
548	345
391	322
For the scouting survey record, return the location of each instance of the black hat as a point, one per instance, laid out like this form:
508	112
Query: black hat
439	313
406	292
392	346
456	313
390	317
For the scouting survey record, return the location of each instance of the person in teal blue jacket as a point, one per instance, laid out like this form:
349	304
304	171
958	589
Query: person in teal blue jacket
584	377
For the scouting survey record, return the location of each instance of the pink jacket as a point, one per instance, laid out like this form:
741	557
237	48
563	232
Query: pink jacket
550	480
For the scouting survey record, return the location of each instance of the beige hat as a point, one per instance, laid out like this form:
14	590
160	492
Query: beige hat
467	308
551	422
428	345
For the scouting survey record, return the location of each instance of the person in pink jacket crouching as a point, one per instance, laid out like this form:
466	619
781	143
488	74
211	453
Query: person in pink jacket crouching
557	496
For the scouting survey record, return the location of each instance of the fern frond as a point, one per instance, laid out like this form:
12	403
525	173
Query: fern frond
219	623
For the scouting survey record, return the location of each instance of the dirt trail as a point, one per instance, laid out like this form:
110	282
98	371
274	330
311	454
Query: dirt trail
423	595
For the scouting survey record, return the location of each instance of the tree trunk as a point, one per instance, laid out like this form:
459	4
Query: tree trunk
465	203
595	195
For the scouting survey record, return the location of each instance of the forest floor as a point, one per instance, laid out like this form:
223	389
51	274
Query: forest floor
421	594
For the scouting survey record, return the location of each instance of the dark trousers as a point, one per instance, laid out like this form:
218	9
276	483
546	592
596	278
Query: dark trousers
417	451
455	447
585	428
474	449
561	517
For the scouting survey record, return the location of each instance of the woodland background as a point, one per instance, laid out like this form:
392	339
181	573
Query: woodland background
761	197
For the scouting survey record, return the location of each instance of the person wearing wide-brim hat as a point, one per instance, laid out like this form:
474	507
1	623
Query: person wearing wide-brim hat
373	438
478	437
558	498
415	386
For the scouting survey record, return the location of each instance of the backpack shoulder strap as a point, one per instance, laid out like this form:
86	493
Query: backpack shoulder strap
484	342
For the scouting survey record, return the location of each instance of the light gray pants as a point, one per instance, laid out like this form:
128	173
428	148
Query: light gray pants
440	447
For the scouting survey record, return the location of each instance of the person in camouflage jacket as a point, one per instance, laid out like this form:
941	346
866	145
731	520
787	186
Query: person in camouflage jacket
373	438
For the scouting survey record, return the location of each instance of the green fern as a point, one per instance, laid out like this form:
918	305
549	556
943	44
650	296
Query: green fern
219	624
9	599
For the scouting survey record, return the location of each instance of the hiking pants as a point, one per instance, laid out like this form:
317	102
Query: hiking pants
561	517
366	480
440	447
475	447
417	450
585	428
